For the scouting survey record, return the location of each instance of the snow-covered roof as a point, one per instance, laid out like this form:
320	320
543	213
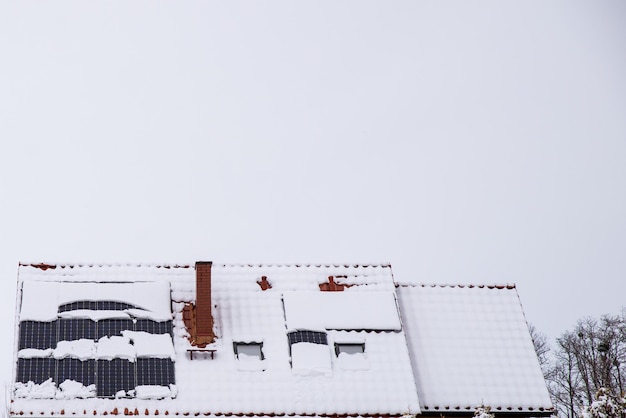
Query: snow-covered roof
405	334
470	346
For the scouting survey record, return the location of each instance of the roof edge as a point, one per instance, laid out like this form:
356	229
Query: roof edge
460	285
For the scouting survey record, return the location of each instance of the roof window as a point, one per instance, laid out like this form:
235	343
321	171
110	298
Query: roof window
349	348
251	350
306	336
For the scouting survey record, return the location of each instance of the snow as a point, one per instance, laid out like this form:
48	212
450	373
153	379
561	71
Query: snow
605	406
41	299
245	313
345	310
120	394
476	337
155	392
94	315
31	390
71	389
303	378
82	349
109	348
151	345
250	363
355	361
483	412
34	353
162	315
310	359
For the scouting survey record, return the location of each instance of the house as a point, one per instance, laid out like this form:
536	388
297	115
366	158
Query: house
266	340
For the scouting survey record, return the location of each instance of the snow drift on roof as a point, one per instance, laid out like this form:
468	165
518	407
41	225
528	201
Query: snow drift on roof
345	310
310	359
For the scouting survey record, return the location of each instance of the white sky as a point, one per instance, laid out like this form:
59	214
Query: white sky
462	142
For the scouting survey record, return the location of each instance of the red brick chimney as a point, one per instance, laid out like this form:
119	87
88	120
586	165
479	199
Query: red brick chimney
204	318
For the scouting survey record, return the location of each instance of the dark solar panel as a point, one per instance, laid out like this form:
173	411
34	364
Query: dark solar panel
153	327
315	337
110	376
113	376
155	371
40	335
75	369
37	370
113	327
81	304
108	305
100	305
75	329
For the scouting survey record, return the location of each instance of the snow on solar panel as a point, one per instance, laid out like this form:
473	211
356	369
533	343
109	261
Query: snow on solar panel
66	349
41	299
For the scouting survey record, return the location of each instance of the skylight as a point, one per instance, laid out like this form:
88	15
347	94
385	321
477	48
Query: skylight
306	336
248	350
349	348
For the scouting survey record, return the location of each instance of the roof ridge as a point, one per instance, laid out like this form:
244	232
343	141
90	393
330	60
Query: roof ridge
50	265
460	285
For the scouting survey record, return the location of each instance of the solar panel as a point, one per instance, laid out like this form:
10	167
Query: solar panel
155	371
100	305
75	369
113	327
37	370
113	376
306	336
40	335
79	304
110	305
153	327
110	376
75	329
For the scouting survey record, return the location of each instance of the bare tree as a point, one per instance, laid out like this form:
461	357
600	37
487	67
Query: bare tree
564	381
541	348
588	359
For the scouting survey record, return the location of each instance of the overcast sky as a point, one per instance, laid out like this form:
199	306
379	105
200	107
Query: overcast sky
463	142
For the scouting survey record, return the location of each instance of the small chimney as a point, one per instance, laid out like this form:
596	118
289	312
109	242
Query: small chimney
264	283
204	317
332	286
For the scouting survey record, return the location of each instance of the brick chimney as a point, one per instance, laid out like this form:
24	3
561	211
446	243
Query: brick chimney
204	317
